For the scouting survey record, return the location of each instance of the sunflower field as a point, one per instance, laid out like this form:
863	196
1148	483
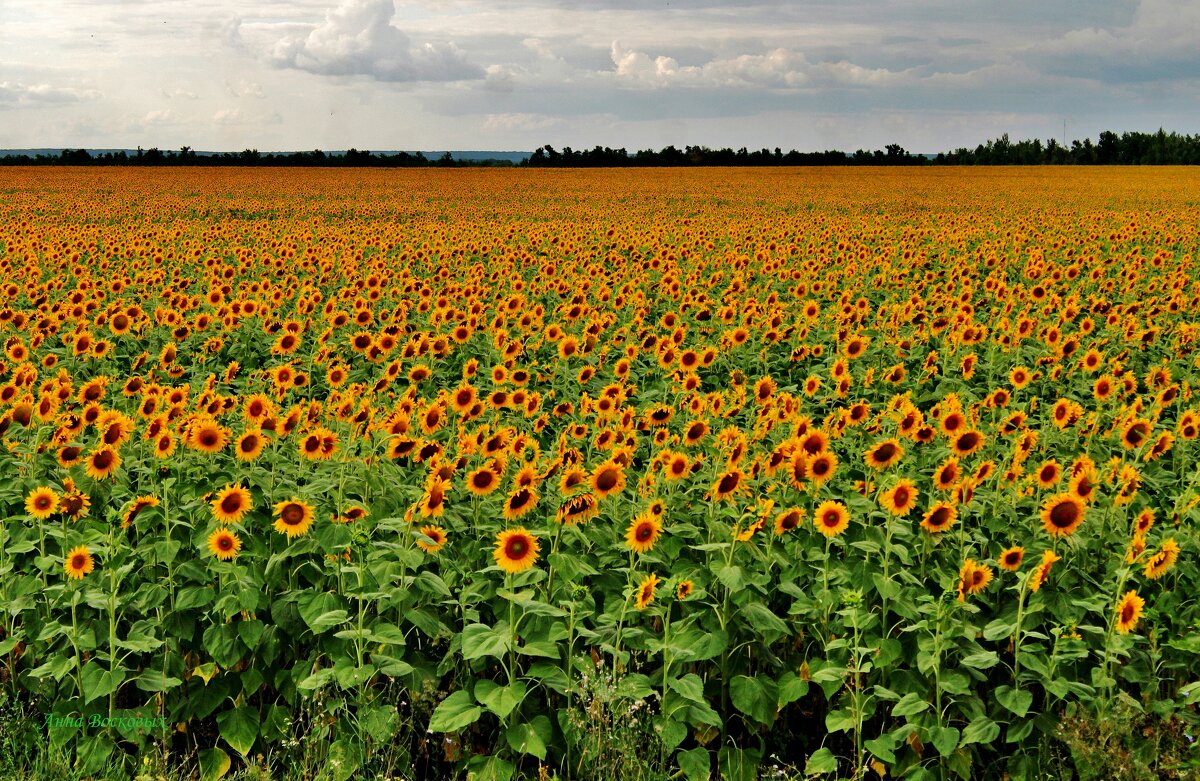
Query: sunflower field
600	474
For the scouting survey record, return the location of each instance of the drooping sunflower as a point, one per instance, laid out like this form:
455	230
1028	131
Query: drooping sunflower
78	562
433	502
42	502
900	498
831	518
645	592
727	484
972	578
939	518
224	544
74	503
1040	575
684	589
1162	560
1010	560
1128	611
577	509
1061	515
293	517
231	504
885	454
102	462
516	550
437	538
139	504
519	502
643	532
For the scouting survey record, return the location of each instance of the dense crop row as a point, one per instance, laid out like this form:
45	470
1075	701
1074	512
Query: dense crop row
870	472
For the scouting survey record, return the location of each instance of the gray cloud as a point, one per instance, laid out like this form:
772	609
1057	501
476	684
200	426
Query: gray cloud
358	39
15	93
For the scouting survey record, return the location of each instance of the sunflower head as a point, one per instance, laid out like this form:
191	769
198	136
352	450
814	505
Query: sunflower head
42	502
224	544
516	550
293	517
643	532
831	518
78	562
1062	514
645	591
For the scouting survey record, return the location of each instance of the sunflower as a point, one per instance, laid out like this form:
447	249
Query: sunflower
436	539
249	445
727	484
1135	434
900	498
609	478
645	592
519	502
972	578
1162	560
1049	474
684	589
967	443
1083	485
42	502
231	504
293	517
516	550
1010	560
208	436
78	562
947	474
1061	515
69	455
939	518
821	467
1128	611
788	520
577	509
1043	571
643	532
164	445
675	466
224	544
831	518
73	503
102	462
139	504
884	454
433	502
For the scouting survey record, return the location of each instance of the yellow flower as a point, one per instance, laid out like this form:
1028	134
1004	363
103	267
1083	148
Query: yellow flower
224	544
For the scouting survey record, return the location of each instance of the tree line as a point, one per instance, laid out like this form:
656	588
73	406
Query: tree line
1130	148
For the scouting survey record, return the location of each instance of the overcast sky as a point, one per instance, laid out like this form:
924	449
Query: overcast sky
930	75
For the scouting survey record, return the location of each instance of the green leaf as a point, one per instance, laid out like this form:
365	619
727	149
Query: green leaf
769	625
491	769
99	682
791	688
670	732
980	730
909	705
822	761
525	739
982	660
998	629
944	739
883	747
754	697
155	681
321	611
93	752
731	575
343	760
214	763
839	721
500	700
239	728
695	763
479	640
690	687
455	712
1016	700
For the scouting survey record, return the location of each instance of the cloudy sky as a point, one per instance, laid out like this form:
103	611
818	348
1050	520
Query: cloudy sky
516	74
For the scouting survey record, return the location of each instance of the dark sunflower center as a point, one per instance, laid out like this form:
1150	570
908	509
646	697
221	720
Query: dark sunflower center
644	532
940	517
1064	515
900	497
516	548
231	504
78	561
729	483
606	480
225	543
293	514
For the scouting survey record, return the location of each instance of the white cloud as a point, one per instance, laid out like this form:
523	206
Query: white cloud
520	121
358	38
29	94
776	69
